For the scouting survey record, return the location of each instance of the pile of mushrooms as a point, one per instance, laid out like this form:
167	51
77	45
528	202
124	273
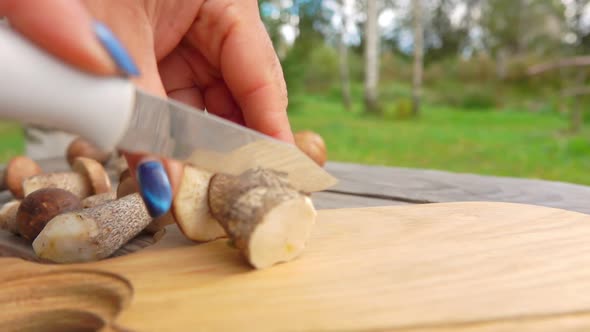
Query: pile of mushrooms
77	216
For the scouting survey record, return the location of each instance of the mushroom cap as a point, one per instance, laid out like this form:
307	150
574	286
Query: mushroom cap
127	186
95	172
313	145
17	170
80	147
40	206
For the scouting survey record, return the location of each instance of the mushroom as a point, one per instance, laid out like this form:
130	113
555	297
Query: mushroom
17	170
88	177
312	144
266	218
99	199
191	207
8	216
128	186
94	233
80	147
39	207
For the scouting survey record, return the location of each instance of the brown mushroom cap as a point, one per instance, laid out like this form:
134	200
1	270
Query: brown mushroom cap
17	170
40	206
80	147
313	145
127	185
95	172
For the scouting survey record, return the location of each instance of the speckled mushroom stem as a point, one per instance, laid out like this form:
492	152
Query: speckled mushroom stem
268	220
99	199
94	233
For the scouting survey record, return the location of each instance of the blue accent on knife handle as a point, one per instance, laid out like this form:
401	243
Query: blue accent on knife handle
116	50
154	187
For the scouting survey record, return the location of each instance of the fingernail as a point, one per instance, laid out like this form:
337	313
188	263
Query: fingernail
154	187
116	50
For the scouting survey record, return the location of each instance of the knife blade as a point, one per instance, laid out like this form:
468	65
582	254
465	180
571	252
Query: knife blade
38	89
175	130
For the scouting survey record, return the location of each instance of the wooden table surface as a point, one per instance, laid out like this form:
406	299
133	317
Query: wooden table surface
510	272
367	186
363	186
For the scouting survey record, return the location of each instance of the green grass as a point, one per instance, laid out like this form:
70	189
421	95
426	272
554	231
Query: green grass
506	143
12	141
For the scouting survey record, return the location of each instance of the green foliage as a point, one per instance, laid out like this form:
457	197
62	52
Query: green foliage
477	99
12	141
516	25
498	143
401	109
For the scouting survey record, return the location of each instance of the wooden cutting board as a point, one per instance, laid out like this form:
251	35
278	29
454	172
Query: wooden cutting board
438	267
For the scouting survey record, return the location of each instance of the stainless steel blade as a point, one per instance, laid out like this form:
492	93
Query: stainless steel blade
174	130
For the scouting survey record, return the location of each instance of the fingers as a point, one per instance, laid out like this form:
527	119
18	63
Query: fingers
63	28
230	34
158	180
189	78
129	21
220	102
179	81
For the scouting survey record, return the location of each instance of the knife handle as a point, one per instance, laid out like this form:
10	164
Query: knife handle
39	89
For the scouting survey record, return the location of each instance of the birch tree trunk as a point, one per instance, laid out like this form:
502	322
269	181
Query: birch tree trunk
371	58
418	56
343	54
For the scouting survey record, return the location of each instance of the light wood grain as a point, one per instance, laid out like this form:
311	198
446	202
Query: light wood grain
430	186
437	267
16	246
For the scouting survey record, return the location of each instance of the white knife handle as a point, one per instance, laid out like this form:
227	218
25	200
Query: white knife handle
37	88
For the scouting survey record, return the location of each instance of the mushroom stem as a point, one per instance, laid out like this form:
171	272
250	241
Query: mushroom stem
99	199
268	220
128	186
88	177
73	182
8	216
94	233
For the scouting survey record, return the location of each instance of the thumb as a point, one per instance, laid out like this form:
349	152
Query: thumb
63	28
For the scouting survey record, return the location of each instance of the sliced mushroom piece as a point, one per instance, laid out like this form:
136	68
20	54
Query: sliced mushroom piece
191	207
266	218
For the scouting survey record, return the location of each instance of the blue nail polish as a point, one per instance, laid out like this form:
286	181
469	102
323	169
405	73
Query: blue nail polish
154	187
115	49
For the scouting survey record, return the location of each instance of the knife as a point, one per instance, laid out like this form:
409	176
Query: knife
38	89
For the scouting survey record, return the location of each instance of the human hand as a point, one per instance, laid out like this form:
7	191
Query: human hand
209	54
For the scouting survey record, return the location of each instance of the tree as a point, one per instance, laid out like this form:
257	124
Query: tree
308	16
418	56
343	55
371	58
507	28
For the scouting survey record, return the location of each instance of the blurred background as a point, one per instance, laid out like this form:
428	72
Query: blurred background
482	86
495	87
